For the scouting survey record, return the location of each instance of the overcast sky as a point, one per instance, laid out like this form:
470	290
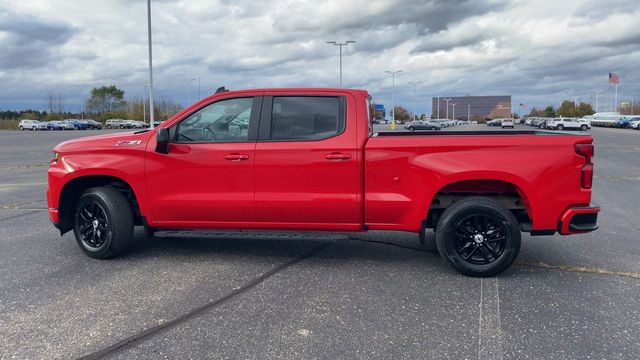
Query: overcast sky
540	52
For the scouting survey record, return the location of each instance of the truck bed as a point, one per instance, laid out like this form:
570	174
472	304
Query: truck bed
479	132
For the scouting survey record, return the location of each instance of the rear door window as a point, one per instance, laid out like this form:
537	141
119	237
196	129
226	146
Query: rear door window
307	117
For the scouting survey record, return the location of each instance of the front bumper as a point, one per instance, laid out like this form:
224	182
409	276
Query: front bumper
579	220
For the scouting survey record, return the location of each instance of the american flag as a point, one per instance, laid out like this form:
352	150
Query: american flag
614	79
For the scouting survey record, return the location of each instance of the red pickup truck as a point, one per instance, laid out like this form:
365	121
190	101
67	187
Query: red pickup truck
309	159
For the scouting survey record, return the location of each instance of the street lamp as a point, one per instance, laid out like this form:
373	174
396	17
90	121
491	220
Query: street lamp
393	96
575	101
453	117
340	45
597	93
414	83
189	92
469	112
144	108
447	100
151	118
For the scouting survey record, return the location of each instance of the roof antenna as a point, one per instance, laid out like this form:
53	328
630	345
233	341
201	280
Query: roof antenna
221	89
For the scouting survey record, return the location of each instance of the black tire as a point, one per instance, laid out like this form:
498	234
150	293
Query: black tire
411	128
583	127
493	231
114	230
560	127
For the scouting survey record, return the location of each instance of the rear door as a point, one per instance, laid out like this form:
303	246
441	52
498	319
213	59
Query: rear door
306	162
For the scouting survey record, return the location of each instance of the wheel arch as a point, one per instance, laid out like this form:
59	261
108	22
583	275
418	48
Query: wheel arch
508	190
73	189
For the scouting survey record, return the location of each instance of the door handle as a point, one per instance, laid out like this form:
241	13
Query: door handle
236	157
337	156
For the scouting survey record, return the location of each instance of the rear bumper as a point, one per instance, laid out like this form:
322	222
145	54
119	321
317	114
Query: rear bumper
579	220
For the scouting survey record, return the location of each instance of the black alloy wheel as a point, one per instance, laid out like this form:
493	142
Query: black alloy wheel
478	236
480	239
94	225
103	222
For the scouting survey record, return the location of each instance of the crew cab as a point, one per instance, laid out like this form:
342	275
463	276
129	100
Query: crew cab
309	160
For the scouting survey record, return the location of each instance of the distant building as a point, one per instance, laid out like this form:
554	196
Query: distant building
381	111
479	107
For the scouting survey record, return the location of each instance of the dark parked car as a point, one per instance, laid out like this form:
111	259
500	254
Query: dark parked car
496	122
77	124
94	125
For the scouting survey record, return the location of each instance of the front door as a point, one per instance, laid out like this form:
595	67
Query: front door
207	178
307	163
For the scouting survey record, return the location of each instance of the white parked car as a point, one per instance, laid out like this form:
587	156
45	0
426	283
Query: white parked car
507	123
33	125
568	123
635	124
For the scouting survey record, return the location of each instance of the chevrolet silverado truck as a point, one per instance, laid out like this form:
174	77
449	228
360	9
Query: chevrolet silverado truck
310	160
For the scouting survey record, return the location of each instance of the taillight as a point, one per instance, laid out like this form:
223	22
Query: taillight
586	172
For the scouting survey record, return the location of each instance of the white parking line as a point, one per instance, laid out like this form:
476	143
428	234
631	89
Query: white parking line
490	335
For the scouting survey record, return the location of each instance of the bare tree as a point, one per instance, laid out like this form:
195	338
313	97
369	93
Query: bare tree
55	103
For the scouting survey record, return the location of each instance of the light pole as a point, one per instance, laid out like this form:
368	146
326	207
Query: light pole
469	112
447	100
144	108
453	117
414	83
438	113
575	101
340	45
597	92
393	95
199	89
189	92
151	118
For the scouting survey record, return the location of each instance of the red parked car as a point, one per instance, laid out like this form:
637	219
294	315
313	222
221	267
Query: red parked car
309	159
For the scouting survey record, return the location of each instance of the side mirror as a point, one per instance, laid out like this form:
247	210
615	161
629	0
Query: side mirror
162	145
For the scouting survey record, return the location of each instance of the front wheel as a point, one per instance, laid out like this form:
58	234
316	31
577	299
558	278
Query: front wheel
103	224
583	127
560	127
478	237
411	128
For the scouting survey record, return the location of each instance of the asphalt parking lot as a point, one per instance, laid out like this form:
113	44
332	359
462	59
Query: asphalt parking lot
565	298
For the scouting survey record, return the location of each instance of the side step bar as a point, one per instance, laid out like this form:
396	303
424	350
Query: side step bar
249	234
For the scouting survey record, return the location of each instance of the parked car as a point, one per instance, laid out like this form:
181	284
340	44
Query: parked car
94	125
627	121
635	124
114	124
68	125
496	122
507	123
568	124
34	125
353	179
80	124
422	125
474	122
55	125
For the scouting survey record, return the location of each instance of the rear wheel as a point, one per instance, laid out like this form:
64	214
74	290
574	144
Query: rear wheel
478	237
583	127
411	128
560	127
103	224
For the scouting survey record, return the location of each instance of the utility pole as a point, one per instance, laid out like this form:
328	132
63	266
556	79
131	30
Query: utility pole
340	45
438	113
469	112
393	96
447	100
151	117
454	111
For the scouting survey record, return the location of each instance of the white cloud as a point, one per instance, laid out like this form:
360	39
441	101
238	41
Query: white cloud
539	51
